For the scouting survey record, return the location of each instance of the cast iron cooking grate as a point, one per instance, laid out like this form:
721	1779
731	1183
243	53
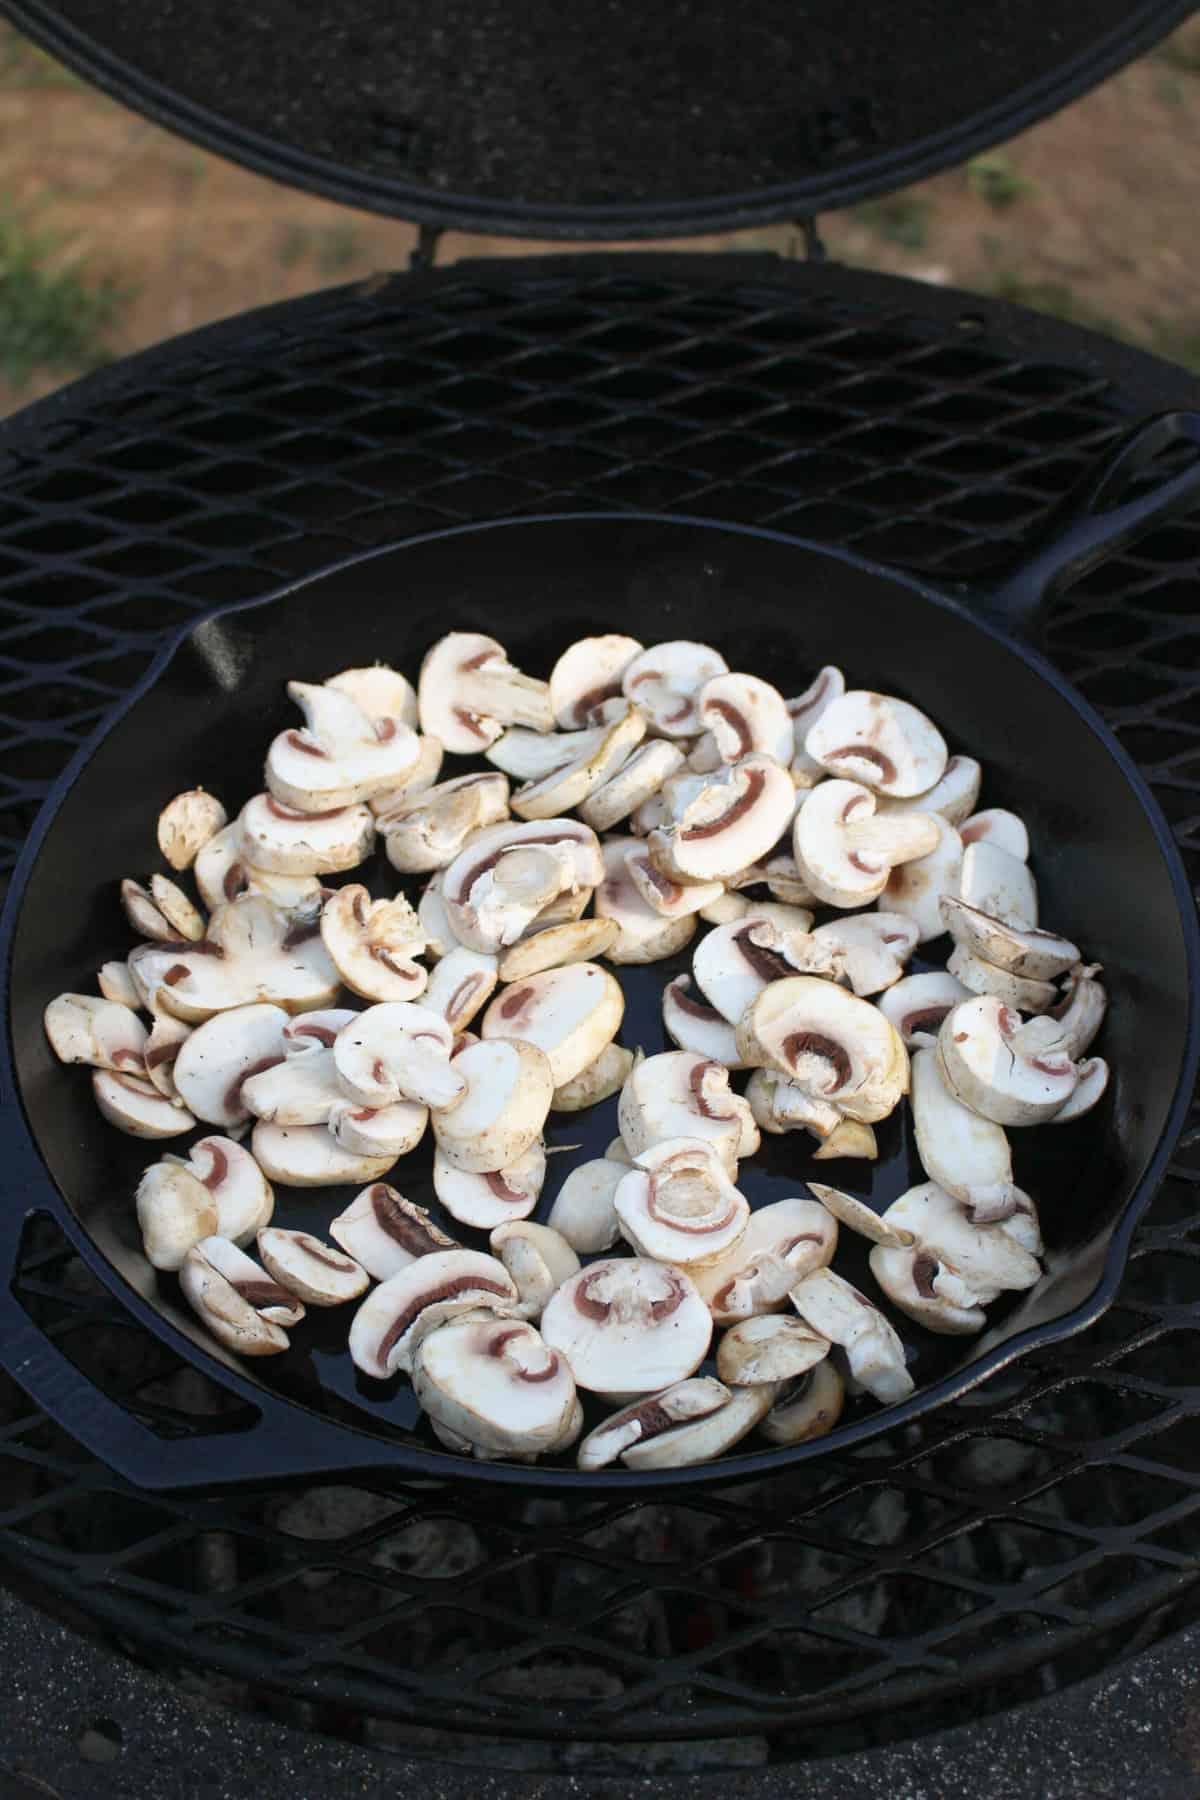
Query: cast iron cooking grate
1003	1547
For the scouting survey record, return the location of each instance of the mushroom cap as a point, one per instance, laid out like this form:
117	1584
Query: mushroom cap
637	779
571	1013
240	1191
227	1050
846	849
224	1308
678	1205
666	680
673	899
771	1347
694	1025
996	825
680	1095
650	1415
737	816
628	1326
134	1105
253	953
917	1005
705	1438
374	944
987	1070
967	1155
807	1408
643	935
187	823
914	1281
468	691
461	1280
1026	951
285	841
340	756
565	787
915	888
587	674
745	713
509	1090
487	1200
839	1312
379	691
398	1051
461	984
310	1156
427	829
538	1258
988	1258
830	1043
981	977
599	1081
998	884
385	1232
782	1243
953	796
224	872
174	1211
583	1213
873	948
880	741
320	1275
106	1034
497	1383
508	874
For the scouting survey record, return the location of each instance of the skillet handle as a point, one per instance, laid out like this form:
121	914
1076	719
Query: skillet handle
1095	520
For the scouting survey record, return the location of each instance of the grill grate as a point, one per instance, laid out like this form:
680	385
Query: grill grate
1031	1534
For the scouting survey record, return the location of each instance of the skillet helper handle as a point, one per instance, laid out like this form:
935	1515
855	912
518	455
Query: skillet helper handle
1095	520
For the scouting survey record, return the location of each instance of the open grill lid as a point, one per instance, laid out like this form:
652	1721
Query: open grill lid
605	122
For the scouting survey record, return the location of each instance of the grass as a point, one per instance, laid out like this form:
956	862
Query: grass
23	65
333	248
52	317
996	179
901	219
1181	51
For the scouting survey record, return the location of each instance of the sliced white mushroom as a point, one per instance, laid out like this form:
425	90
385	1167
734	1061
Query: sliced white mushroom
566	787
628	1326
653	812
508	874
224	872
953	797
379	691
310	1156
680	1095
599	1081
240	1192
528	755
183	920
973	1263
134	1105
643	935
637	779
982	977
665	681
698	1027
449	1282
917	1005
880	741
807	1408
105	1034
999	827
915	888
967	1155
873	948
116	984
495	1382
875	1355
705	1438
677	1204
277	1304
440	936
770	1347
429	828
583	1212
745	713
927	1290
783	916
726	910
143	914
673	899
228	1049
307	1267
285	841
374	944
539	1260
782	1243
166	1040
779	1106
1089	1091
487	1200
468	691
835	1046
509	1090
783	877
649	1416
828	685
571	1013
460	985
1071	1026
252	954
738	816
848	1138
340	756
860	1218
186	824
385	1232
988	1072
225	1309
734	963
301	1088
1024	951
998	884
174	1211
378	1131
398	1052
586	675
577	941
847	849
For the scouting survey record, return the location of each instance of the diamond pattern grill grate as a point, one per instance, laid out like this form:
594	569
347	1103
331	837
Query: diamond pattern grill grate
1027	1536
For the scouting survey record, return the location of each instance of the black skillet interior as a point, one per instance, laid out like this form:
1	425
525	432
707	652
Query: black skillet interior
771	606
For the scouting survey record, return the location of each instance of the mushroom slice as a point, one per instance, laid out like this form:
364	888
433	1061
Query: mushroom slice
586	675
186	824
743	714
583	1213
628	1326
166	1039
164	914
252	954
998	827
509	1090
240	1192
398	1052
734	963
953	797
302	1088
782	1243
807	1408
967	1155
847	849
859	1217
468	691
572	1013
143	914
134	1105
783	877
673	899
309	1156
223	873
463	981
680	1095
508	874
276	1304
839	1312
378	1130
650	1416
982	1065
497	1383
1089	1090
374	944
987	1259
285	841
565	787
698	1027
418	778
872	947
528	755
770	1347
666	680
577	941
706	1438
539	1260
738	816
340	757
174	1210
927	1290
981	977
428	829
833	1045
784	917
1071	1026
307	1267
105	1034
452	1281
599	1081
914	889
228	1049
116	984
224	1306
828	685
643	935
486	1200
917	1005
678	1205
385	1232
779	1106
653	812
880	741
847	1139
379	691
440	936
1037	955
999	885
635	782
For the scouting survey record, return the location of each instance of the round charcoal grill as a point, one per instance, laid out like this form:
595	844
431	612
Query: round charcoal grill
1032	1534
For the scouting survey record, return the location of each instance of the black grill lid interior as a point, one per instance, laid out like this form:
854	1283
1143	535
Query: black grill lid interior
619	119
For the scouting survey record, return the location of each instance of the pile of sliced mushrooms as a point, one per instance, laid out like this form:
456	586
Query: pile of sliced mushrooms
702	796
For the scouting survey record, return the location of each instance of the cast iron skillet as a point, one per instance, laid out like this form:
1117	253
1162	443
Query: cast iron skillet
1107	871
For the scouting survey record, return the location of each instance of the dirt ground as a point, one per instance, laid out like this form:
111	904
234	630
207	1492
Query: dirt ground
1091	214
